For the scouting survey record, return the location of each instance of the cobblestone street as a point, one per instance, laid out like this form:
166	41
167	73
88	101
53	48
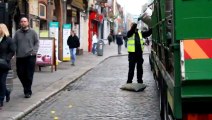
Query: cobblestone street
96	96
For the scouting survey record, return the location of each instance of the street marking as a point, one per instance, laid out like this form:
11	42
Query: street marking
56	118
53	112
70	106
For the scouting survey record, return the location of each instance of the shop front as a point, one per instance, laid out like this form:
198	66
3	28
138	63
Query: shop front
95	20
11	11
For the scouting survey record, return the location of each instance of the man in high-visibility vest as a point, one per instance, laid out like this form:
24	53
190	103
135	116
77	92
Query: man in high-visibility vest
135	46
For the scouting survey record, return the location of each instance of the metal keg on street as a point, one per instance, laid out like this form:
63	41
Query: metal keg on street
9	81
100	47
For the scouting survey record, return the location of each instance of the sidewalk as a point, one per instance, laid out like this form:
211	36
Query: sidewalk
47	84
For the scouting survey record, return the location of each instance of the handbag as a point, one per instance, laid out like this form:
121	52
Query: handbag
3	64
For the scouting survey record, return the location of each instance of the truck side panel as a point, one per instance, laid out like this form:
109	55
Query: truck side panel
193	19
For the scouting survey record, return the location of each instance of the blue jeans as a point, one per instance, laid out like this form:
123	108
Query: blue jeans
94	48
3	89
73	55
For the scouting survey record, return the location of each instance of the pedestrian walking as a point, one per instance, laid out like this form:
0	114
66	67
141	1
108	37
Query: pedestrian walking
7	51
113	35
94	43
110	38
27	44
135	46
125	40
73	43
119	41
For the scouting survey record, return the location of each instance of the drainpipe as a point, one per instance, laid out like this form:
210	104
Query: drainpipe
64	11
48	11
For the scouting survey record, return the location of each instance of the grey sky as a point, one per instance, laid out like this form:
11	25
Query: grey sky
133	6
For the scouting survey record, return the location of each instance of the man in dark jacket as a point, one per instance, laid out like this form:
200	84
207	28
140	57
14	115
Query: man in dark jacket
73	43
135	45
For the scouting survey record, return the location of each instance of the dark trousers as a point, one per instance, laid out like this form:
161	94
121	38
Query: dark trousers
109	41
3	89
119	49
135	59
25	72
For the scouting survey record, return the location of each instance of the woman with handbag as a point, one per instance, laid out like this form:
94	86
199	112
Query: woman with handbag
7	51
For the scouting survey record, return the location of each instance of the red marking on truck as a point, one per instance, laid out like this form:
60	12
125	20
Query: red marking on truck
186	55
193	116
198	49
206	46
194	50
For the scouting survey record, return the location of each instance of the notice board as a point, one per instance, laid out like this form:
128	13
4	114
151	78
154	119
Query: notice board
46	55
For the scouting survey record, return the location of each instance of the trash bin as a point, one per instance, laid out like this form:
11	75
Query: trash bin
146	17
100	47
9	81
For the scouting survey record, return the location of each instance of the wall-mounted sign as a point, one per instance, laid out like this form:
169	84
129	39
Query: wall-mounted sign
33	7
54	32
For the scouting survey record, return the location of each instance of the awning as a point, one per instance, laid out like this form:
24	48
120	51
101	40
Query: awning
101	1
78	4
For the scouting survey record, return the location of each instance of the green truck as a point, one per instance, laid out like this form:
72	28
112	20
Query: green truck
181	58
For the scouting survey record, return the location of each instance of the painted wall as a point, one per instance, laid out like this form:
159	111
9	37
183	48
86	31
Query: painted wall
83	32
33	7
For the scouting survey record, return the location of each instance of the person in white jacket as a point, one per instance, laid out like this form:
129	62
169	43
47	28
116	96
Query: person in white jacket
94	43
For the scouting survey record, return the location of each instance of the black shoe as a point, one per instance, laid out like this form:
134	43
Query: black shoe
1	104
27	95
8	97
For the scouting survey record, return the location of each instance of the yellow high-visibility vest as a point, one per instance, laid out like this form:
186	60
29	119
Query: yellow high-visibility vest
131	43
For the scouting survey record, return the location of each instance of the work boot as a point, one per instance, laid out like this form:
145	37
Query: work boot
140	81
27	95
1	104
129	81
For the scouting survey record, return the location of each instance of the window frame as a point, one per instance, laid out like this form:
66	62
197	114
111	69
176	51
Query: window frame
42	5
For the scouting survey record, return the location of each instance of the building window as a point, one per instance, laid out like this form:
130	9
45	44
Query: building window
42	11
43	25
